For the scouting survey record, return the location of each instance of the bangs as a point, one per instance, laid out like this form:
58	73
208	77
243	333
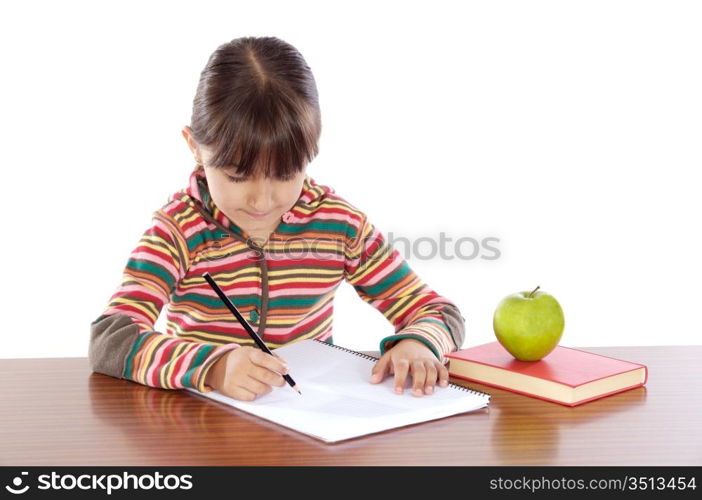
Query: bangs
276	136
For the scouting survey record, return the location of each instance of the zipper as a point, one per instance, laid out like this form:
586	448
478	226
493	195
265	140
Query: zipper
253	246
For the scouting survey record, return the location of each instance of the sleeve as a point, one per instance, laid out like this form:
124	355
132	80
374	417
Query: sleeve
382	278
123	342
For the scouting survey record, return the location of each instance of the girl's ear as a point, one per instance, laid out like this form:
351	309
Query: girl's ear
190	140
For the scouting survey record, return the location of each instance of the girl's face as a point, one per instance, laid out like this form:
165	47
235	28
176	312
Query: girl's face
255	204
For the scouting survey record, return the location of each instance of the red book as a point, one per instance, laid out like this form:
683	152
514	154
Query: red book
567	376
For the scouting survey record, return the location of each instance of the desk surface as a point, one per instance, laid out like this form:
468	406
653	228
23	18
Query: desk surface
57	412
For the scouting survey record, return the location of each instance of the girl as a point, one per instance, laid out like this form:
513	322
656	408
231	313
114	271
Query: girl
278	244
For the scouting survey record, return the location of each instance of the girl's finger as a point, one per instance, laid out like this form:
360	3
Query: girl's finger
431	377
401	369
443	376
379	369
419	377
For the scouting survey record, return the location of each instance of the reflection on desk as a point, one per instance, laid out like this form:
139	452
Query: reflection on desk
56	412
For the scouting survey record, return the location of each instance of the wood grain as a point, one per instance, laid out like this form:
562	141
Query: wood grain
57	412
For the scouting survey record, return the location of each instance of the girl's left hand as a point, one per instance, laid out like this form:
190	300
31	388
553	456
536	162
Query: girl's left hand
411	356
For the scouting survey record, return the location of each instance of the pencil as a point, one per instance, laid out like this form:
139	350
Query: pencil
245	324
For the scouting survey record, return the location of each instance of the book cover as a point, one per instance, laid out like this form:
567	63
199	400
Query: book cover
566	375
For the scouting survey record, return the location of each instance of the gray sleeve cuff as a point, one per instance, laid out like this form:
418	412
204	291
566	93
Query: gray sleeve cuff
111	340
456	324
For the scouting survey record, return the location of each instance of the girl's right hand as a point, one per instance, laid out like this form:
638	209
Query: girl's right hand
246	373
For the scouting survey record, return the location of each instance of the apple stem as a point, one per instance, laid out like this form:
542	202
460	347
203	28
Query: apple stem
534	290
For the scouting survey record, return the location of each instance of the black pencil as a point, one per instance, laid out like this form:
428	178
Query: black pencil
245	324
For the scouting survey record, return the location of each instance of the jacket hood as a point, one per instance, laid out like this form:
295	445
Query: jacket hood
198	195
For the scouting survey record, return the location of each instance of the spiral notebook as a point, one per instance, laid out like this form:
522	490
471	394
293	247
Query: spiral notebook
339	402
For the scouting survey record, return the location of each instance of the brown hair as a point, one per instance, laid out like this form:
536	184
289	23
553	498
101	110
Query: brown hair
257	99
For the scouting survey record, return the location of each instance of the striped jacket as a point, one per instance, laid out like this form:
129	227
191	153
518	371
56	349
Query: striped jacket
284	288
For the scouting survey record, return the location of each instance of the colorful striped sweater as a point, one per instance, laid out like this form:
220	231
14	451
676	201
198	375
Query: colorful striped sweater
284	288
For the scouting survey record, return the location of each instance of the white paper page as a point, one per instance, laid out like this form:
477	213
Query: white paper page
339	402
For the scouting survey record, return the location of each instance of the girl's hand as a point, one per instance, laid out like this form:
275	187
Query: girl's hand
411	356
246	373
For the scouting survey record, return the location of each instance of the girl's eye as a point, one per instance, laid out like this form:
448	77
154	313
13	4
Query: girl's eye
236	179
243	179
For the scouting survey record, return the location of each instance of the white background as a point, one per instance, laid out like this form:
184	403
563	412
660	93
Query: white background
569	130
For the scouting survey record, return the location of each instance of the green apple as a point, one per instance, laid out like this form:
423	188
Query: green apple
529	324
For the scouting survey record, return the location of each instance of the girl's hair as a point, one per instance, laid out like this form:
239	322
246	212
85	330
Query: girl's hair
257	101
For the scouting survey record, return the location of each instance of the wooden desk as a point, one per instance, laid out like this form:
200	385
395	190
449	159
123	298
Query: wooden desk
57	412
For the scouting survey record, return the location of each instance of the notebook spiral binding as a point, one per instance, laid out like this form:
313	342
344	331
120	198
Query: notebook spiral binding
366	356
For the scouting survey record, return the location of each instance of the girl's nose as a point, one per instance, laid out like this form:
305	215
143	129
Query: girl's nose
260	197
